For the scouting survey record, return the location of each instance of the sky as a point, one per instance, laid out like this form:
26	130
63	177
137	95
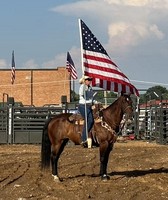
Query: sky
133	32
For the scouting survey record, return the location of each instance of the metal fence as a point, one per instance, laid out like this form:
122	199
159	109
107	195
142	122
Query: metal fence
3	125
153	122
24	125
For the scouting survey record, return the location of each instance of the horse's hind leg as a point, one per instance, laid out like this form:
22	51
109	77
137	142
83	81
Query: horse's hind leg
55	154
105	149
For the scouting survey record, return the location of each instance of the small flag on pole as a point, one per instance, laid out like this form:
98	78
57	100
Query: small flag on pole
71	67
13	69
98	65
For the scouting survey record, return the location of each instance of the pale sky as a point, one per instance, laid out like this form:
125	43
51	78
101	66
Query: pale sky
133	32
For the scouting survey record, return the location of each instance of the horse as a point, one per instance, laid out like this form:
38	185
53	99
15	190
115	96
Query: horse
60	129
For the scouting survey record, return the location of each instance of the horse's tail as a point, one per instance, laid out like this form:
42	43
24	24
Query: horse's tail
45	147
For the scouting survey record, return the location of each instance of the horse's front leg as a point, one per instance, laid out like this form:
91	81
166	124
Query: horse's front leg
105	149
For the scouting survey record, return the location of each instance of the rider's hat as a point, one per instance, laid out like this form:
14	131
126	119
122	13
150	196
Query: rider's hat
84	78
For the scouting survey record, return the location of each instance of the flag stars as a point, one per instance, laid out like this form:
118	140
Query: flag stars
90	42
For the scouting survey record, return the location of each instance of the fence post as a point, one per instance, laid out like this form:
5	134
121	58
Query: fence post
64	103
10	119
136	118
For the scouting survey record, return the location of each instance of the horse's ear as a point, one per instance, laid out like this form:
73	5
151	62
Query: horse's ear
122	93
128	94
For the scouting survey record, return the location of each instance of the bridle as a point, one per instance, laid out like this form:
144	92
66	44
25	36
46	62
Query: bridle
124	110
126	118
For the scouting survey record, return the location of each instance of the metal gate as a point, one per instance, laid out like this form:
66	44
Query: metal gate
24	125
28	123
153	122
3	125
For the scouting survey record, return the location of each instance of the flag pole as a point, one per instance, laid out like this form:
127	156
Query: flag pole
70	89
72	74
86	123
73	89
80	33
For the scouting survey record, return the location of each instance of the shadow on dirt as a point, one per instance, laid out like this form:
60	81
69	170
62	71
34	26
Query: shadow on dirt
136	173
133	173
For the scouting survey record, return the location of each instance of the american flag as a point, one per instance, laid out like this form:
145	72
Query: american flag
71	67
13	69
98	65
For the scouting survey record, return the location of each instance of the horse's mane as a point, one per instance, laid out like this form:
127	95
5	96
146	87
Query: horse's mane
113	105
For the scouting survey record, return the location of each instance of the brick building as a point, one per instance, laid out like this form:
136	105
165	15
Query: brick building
35	86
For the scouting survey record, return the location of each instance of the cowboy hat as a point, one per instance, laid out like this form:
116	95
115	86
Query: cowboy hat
81	80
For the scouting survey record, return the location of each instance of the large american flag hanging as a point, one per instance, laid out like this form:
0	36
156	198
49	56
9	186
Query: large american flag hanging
98	65
71	67
13	69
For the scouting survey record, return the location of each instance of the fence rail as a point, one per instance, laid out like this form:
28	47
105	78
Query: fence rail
24	125
153	123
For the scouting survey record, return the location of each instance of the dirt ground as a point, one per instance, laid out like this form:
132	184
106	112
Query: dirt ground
138	171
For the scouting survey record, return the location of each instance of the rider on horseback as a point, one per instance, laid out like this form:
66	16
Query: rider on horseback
85	106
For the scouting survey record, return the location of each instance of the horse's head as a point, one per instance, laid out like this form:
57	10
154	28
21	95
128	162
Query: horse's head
127	106
114	113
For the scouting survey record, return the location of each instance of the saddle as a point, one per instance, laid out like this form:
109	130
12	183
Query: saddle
78	119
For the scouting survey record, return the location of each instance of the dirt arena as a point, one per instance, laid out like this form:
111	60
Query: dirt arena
138	171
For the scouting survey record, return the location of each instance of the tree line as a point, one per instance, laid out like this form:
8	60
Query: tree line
156	92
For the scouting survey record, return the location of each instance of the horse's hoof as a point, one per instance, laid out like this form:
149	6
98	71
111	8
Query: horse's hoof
84	144
105	177
56	178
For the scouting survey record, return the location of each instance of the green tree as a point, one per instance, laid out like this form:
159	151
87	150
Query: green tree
74	96
156	92
101	98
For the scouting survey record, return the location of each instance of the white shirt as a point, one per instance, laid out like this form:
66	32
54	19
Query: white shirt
85	94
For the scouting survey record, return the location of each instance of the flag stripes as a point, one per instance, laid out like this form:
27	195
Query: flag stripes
98	65
71	67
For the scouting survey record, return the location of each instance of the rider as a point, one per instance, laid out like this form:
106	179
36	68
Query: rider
85	106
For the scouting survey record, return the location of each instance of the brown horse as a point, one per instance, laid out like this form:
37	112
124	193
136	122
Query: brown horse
59	130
